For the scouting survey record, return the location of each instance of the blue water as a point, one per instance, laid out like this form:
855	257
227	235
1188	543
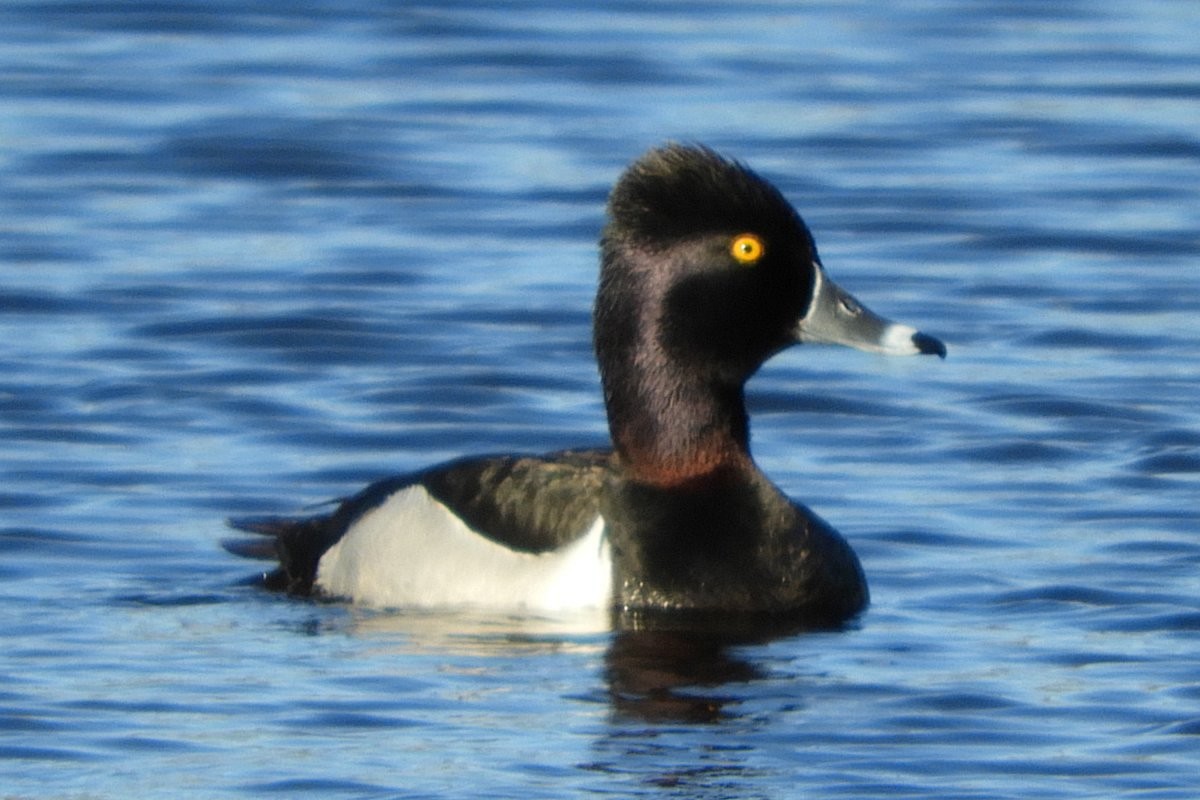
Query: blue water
253	255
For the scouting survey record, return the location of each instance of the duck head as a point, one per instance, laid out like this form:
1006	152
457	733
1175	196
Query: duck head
706	272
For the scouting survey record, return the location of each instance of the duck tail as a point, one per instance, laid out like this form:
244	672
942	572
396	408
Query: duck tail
296	544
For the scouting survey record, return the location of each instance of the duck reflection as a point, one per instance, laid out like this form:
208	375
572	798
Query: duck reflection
672	668
657	666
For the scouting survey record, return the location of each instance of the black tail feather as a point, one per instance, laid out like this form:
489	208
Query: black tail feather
264	526
257	549
266	549
297	544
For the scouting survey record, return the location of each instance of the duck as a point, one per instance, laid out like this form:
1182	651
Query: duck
706	272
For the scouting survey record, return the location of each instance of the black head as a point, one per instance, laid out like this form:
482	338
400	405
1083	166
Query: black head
707	258
706	271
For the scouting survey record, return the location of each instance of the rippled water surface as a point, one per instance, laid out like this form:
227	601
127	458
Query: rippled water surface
253	255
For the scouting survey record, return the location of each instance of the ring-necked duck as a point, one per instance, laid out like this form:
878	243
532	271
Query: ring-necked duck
706	271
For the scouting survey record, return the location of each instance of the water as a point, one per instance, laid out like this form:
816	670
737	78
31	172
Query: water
253	257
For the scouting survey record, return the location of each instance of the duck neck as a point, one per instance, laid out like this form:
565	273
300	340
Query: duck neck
674	416
672	429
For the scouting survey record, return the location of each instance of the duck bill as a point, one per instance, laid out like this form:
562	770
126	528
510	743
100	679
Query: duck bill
835	317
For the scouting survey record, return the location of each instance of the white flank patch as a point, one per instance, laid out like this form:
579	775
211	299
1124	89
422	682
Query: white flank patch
411	551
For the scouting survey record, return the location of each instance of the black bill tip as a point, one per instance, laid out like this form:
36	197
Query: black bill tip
928	345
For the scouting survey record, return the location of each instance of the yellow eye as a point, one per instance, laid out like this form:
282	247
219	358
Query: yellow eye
747	249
